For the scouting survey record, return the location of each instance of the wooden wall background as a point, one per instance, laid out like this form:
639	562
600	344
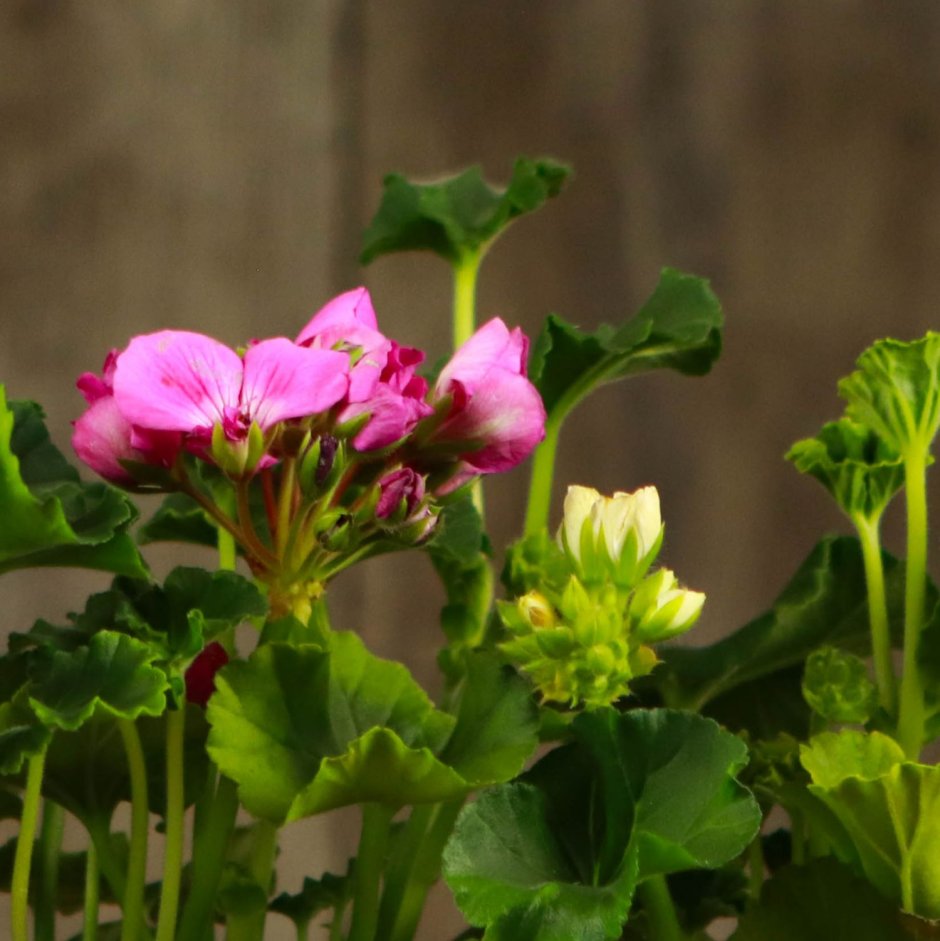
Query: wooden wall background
210	164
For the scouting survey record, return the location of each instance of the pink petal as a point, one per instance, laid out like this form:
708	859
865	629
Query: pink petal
283	380
175	380
492	346
102	438
342	318
393	416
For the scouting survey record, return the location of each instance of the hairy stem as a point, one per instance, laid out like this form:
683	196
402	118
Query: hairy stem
370	861
911	714
173	846
22	862
92	887
659	908
133	900
47	888
868	533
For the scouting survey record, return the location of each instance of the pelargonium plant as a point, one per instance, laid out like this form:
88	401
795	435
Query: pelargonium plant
584	776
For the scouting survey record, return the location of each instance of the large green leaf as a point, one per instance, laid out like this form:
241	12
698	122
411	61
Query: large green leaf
679	327
315	896
890	809
113	675
49	517
22	736
825	603
302	729
459	214
179	519
638	794
822	901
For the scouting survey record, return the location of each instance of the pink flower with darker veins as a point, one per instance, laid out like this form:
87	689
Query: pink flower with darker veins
103	437
497	416
175	380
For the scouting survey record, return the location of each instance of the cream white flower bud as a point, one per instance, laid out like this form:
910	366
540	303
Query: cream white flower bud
661	609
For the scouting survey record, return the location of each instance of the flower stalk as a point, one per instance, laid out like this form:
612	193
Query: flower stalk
22	861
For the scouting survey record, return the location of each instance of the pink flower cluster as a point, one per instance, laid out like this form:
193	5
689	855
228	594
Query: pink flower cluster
175	391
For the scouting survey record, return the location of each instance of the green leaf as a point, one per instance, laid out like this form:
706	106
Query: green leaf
497	723
113	675
702	895
896	391
459	552
837	687
820	902
459	214
49	517
853	464
22	735
679	328
890	809
179	519
290	723
315	896
638	794
825	603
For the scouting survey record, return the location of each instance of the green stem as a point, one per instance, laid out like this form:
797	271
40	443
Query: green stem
401	866
911	714
370	861
92	882
226	544
755	866
133	902
868	534
22	862
285	502
465	295
250	927
208	860
659	908
173	846
424	871
540	485
47	888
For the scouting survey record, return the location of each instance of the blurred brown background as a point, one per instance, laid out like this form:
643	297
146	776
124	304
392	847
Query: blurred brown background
210	164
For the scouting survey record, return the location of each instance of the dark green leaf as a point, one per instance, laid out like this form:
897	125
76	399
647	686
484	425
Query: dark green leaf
702	895
457	215
837	686
113	675
638	794
315	895
497	723
289	724
825	603
49	518
22	735
820	902
679	328
179	519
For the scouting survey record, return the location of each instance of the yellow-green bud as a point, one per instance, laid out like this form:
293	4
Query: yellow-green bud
660	609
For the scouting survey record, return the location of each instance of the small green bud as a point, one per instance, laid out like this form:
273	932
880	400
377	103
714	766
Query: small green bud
660	609
307	469
837	687
536	610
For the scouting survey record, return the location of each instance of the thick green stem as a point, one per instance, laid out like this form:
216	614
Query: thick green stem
22	861
208	860
285	504
401	866
540	485
911	714
868	534
173	846
226	544
370	861
250	927
133	902
660	911
47	887
92	885
425	871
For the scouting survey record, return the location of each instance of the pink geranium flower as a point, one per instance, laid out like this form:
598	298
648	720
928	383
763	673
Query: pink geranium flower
103	437
174	380
382	381
497	416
